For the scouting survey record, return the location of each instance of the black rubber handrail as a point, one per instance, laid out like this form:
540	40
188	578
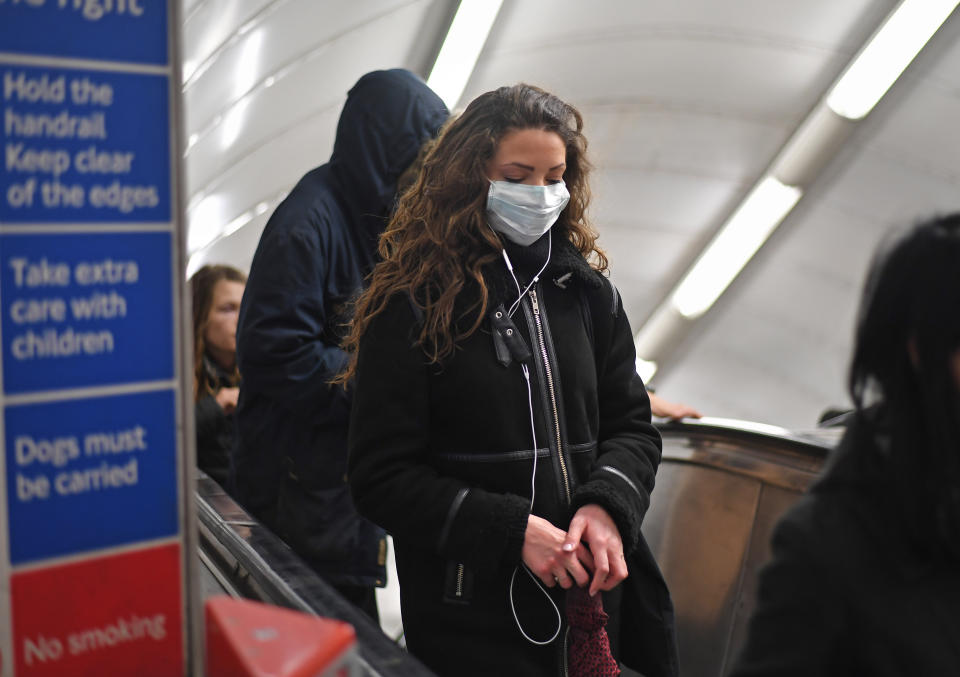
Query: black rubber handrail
816	442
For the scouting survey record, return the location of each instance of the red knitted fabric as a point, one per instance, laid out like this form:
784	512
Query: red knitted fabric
589	645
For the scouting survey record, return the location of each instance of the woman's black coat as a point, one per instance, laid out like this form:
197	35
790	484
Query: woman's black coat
215	428
848	592
441	457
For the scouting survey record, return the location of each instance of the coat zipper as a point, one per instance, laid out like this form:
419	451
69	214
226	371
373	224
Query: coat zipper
551	390
535	304
459	592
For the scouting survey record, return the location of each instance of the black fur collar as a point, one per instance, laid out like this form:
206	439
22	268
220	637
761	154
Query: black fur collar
566	266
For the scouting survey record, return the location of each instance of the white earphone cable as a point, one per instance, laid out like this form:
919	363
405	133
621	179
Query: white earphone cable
536	278
533	433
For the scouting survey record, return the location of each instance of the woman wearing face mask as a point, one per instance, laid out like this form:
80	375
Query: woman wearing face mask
865	576
499	430
217	291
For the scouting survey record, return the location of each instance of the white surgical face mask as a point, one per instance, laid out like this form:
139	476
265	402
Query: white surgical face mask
524	213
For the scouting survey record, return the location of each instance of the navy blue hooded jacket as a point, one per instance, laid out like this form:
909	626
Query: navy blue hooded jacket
289	465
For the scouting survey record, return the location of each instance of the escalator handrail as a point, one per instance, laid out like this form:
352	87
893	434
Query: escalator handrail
816	443
772	455
286	580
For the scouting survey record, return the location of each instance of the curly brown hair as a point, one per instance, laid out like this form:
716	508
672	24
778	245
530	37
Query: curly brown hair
438	240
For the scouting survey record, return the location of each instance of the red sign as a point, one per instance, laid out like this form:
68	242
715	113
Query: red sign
117	615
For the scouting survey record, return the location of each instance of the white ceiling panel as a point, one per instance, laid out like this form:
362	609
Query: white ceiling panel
294	30
754	82
633	135
811	24
887	189
660	200
211	24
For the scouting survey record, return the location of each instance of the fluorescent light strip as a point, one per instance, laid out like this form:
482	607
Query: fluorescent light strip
887	55
739	239
461	48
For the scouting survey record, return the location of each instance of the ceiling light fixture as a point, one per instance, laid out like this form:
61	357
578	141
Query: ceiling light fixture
891	49
461	48
738	240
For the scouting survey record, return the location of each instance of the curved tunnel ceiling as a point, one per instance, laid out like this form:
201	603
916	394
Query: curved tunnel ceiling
686	103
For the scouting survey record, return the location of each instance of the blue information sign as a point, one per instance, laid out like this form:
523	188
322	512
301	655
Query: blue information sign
92	473
92	399
83	146
85	310
117	30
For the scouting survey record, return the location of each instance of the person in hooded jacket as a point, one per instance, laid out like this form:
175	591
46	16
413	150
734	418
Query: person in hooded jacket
865	574
499	429
289	465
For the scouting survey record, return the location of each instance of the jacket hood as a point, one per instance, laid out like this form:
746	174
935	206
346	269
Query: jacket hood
386	118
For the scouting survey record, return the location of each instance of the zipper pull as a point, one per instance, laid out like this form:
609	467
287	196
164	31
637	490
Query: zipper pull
533	300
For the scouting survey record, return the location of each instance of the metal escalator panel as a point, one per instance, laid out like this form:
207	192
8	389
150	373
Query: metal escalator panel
720	490
212	580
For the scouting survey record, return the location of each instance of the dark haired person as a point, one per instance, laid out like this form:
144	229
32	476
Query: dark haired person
290	461
865	576
499	429
217	291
